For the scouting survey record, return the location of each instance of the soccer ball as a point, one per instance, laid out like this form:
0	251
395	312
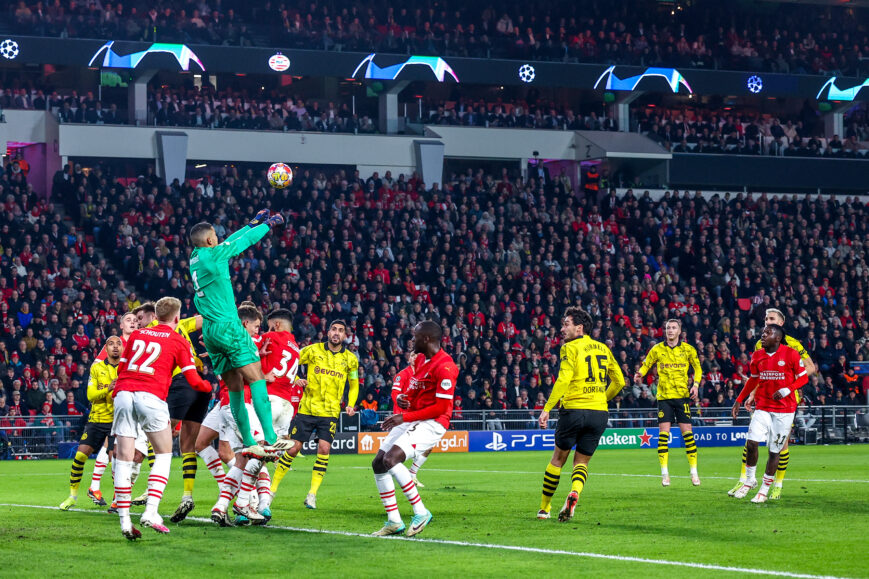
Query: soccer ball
527	73
280	175
9	49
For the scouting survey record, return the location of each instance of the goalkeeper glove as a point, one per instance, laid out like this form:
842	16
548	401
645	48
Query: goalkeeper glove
276	219
260	217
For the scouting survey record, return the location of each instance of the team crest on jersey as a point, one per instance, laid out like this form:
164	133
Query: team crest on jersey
781	362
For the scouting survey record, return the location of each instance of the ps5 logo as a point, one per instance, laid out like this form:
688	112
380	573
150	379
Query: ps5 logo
497	442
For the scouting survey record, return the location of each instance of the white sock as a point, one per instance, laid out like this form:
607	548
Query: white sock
263	489
408	487
767	482
229	488
749	472
213	463
137	468
665	471
231	462
248	482
100	465
387	496
123	491
694	470
157	481
417	463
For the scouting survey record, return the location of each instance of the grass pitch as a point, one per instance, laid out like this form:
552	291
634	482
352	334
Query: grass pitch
484	525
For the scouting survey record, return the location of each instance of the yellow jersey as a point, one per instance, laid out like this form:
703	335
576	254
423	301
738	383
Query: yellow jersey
673	364
328	373
185	327
102	374
582	376
795	344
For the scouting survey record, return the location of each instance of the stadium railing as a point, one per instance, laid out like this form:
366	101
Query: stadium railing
817	425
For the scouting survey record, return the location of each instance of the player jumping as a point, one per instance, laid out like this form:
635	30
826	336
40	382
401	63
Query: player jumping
777	372
429	396
144	375
233	354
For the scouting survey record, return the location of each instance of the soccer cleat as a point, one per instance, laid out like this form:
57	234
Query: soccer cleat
132	533
416	481
154	521
418	523
183	510
569	507
282	444
113	509
695	480
541	514
255	451
266	515
743	490
248	514
665	480
775	494
311	501
220	517
140	500
68	503
390	528
759	498
97	498
738	486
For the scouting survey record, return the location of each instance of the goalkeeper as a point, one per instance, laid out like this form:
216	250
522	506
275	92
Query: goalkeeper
234	356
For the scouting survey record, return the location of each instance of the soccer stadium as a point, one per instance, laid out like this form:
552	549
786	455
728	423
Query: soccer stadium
357	289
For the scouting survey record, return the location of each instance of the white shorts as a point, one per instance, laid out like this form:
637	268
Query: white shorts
282	414
212	419
414	437
142	441
134	409
773	428
229	429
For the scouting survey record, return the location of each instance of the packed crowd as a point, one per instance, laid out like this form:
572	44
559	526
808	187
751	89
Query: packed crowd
520	114
789	38
495	260
692	131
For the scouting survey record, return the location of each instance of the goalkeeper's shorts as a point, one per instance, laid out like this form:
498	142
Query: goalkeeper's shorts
229	345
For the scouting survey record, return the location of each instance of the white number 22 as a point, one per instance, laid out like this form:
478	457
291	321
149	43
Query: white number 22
140	348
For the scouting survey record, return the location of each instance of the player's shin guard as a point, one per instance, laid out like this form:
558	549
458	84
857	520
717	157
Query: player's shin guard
137	468
212	462
188	472
248	482
157	481
100	465
151	456
123	491
259	397
263	484
663	451
577	481
75	473
386	488
319	472
783	460
550	484
229	488
417	463
691	451
742	474
405	481
239	414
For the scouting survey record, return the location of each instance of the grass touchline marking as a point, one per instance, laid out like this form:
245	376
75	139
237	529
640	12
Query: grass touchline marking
519	548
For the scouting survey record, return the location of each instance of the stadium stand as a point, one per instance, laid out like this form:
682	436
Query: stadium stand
797	39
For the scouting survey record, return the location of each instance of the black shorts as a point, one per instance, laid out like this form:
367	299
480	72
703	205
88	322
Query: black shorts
185	403
305	425
580	428
674	410
96	433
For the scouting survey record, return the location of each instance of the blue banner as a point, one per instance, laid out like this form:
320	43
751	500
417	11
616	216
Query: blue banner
505	440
